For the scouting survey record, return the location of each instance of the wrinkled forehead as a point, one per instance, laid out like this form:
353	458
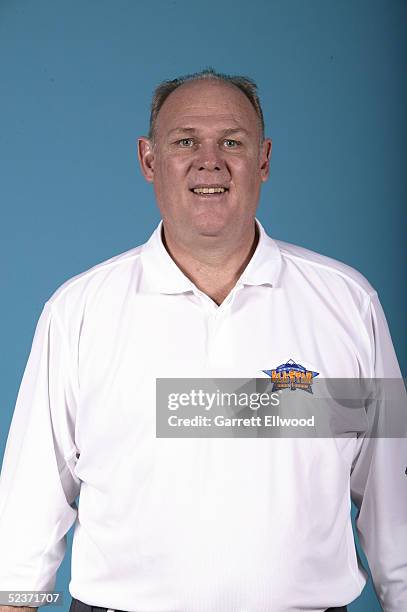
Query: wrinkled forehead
207	106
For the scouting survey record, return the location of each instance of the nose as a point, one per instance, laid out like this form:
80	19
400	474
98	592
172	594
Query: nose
209	158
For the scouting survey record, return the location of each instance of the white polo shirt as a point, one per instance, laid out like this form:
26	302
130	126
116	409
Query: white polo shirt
201	524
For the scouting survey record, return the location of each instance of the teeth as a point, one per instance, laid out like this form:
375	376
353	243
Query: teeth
209	190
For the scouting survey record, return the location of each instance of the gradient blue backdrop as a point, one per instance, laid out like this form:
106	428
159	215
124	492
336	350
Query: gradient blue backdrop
75	85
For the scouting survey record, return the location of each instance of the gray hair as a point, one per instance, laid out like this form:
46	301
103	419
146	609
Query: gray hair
164	89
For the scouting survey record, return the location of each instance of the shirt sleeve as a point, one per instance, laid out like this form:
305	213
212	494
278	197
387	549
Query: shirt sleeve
38	486
378	479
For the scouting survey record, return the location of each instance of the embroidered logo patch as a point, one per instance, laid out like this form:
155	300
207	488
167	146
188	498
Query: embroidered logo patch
291	375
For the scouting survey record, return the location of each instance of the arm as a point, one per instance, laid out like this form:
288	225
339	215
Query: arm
378	480
38	486
15	608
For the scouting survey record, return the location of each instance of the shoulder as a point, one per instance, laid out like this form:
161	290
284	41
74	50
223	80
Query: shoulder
90	285
326	269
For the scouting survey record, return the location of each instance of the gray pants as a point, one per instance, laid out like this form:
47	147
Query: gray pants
78	606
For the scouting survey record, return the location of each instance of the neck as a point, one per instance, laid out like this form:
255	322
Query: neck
216	266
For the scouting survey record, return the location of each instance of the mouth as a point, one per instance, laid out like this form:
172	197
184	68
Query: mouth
209	191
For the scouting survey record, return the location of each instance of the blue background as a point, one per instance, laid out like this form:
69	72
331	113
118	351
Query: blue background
75	85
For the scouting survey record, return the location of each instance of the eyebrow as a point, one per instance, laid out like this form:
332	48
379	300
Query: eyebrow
191	130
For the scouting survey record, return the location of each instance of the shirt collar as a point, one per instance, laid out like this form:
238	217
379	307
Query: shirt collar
163	274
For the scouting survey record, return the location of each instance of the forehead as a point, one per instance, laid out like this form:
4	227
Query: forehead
205	105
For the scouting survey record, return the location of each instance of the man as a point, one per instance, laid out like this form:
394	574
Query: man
200	524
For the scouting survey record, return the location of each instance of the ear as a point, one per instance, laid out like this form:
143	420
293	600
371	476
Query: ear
265	157
146	158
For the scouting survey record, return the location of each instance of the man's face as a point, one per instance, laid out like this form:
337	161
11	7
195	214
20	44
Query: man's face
207	162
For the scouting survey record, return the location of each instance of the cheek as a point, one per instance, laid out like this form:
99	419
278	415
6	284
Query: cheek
170	180
171	168
246	175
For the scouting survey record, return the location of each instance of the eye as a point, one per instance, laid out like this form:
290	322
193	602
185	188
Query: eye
231	144
185	142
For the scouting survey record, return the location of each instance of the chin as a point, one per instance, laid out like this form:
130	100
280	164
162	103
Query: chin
211	227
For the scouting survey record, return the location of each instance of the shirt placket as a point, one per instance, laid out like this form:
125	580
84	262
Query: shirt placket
215	317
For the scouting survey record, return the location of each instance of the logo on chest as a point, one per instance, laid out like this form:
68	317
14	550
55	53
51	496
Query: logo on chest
291	375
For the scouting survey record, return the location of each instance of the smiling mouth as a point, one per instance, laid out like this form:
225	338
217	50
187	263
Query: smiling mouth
211	191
